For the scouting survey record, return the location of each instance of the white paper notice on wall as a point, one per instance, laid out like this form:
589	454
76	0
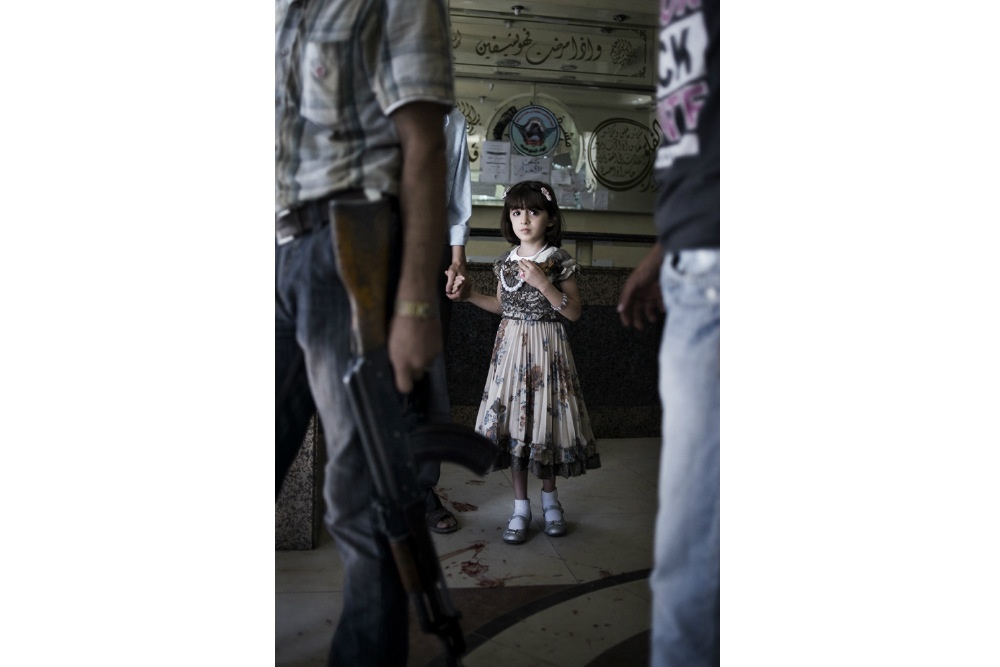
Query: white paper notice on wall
565	196
526	168
496	162
596	200
562	177
487	189
600	200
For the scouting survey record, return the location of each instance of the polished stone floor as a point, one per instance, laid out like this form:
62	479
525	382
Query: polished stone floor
580	600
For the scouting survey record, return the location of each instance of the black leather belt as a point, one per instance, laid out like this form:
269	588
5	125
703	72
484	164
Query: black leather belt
308	216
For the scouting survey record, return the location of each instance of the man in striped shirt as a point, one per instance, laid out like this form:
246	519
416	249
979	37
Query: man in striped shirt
361	91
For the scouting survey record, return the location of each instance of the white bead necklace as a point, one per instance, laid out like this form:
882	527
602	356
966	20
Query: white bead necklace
520	281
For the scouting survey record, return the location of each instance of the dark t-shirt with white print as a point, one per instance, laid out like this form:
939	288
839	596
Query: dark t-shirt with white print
687	159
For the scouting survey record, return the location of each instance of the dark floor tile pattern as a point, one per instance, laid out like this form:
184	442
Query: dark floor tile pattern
523	602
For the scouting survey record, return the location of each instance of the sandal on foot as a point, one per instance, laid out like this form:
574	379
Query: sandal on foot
434	517
516	535
558	527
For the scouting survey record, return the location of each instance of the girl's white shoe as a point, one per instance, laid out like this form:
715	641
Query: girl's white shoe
517	526
557	526
516	535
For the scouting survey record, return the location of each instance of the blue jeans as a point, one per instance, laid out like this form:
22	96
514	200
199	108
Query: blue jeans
312	314
685	577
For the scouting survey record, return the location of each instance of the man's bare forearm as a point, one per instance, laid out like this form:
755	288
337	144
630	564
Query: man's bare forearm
420	127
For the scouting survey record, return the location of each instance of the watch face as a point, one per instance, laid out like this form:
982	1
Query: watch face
534	131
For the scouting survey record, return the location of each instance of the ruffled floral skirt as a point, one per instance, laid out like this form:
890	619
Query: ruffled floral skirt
532	406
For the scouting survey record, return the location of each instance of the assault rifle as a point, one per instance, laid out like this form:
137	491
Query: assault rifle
365	247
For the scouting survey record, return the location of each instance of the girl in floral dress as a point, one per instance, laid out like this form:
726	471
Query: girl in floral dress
532	406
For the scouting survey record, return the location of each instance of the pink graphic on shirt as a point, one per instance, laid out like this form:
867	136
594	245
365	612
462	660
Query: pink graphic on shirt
686	102
681	88
671	8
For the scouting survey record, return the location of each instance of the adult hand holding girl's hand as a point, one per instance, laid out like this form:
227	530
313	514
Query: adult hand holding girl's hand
458	288
455	275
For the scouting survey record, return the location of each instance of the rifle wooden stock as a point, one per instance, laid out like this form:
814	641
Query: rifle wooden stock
362	242
363	247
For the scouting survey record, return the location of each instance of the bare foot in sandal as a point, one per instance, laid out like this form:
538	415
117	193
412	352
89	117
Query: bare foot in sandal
440	520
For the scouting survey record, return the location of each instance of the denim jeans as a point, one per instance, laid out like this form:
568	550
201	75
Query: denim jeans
432	391
685	577
312	314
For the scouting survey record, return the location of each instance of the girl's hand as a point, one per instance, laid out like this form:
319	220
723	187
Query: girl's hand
455	275
533	274
461	288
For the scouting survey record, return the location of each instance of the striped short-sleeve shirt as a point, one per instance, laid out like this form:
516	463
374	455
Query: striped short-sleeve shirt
341	67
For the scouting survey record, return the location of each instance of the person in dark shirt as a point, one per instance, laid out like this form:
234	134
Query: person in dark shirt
680	275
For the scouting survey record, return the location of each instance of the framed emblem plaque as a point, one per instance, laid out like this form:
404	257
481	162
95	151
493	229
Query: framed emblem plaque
534	131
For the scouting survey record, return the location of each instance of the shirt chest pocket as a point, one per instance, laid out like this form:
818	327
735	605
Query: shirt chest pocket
329	84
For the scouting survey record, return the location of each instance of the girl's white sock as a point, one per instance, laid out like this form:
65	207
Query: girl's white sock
522	511
551	500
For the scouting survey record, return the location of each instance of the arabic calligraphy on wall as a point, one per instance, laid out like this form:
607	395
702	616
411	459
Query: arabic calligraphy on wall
620	154
539	50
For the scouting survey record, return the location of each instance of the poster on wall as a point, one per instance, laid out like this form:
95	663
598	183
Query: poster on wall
524	168
495	162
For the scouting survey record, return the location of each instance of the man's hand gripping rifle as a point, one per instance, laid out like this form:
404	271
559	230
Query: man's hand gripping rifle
393	444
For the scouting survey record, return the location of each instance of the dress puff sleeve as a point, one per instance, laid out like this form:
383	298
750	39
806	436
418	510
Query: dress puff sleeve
564	267
498	265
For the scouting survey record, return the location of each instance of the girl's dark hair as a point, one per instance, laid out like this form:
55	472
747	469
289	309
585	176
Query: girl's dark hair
529	195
